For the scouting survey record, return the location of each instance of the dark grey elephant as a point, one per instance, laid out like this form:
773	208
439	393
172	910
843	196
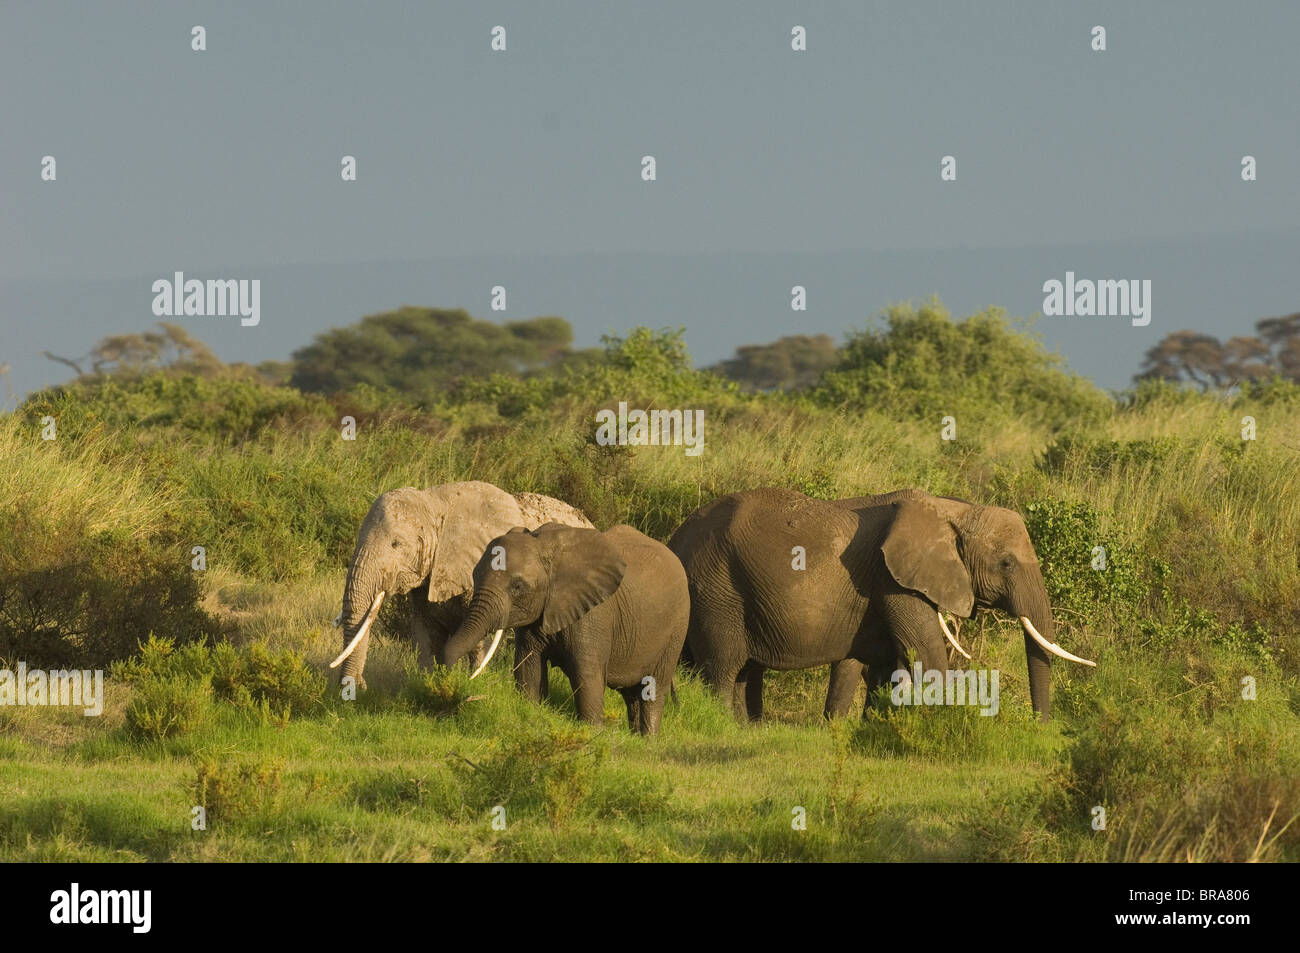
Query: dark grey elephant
425	543
610	609
875	579
846	673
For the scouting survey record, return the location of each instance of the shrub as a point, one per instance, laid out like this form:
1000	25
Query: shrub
253	678
1184	774
437	691
234	790
162	707
227	409
1065	536
552	766
158	658
922	364
259	678
71	595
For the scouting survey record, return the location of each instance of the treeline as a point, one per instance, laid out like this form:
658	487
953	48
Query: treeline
419	353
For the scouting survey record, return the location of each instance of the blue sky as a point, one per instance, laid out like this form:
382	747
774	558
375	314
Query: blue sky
522	168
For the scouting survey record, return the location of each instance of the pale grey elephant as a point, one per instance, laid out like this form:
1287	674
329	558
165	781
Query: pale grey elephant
425	543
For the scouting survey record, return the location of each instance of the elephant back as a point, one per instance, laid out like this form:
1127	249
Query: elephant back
538	510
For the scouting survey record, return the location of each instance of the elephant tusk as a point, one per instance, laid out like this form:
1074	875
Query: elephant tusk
1052	646
951	638
361	632
496	640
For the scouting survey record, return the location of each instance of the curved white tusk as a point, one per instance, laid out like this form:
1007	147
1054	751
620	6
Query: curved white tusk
496	640
361	632
1052	646
951	638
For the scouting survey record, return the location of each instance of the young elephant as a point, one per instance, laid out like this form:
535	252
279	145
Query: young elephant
608	608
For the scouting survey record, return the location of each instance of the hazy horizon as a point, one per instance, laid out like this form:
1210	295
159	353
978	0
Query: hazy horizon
522	168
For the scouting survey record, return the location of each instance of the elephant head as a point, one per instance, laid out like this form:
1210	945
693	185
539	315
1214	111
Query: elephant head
412	537
548	578
963	556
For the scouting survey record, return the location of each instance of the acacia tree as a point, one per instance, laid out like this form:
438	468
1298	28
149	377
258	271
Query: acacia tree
793	362
1206	362
421	351
129	355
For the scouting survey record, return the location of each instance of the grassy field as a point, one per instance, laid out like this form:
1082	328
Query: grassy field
1198	601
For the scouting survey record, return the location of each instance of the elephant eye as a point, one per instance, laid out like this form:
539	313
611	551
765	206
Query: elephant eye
396	544
1008	563
518	585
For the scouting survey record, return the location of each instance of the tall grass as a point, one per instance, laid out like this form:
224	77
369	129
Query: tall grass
1200	529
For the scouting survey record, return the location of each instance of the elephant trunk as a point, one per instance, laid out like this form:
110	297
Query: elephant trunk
487	612
363	587
1040	673
1038	611
1035	615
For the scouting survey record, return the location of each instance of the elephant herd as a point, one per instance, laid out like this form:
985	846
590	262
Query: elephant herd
756	580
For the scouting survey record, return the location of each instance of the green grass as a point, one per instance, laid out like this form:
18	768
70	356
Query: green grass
1199	595
380	781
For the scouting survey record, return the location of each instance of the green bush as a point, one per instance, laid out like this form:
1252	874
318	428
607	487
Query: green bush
257	677
1185	768
230	791
253	678
438	691
159	658
164	707
1065	536
227	409
551	766
1104	456
71	595
924	365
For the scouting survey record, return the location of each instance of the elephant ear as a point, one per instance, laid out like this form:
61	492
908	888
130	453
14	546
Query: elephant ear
921	552
465	518
586	569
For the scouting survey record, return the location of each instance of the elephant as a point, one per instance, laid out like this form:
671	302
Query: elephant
608	608
877	575
425	543
846	672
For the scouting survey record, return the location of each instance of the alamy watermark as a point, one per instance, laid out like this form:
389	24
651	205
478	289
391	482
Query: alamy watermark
76	688
212	298
133	908
651	428
1106	297
975	687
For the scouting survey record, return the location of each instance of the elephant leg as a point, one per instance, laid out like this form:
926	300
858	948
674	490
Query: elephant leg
879	670
651	714
632	698
844	685
752	675
652	709
914	628
589	696
530	670
722	675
